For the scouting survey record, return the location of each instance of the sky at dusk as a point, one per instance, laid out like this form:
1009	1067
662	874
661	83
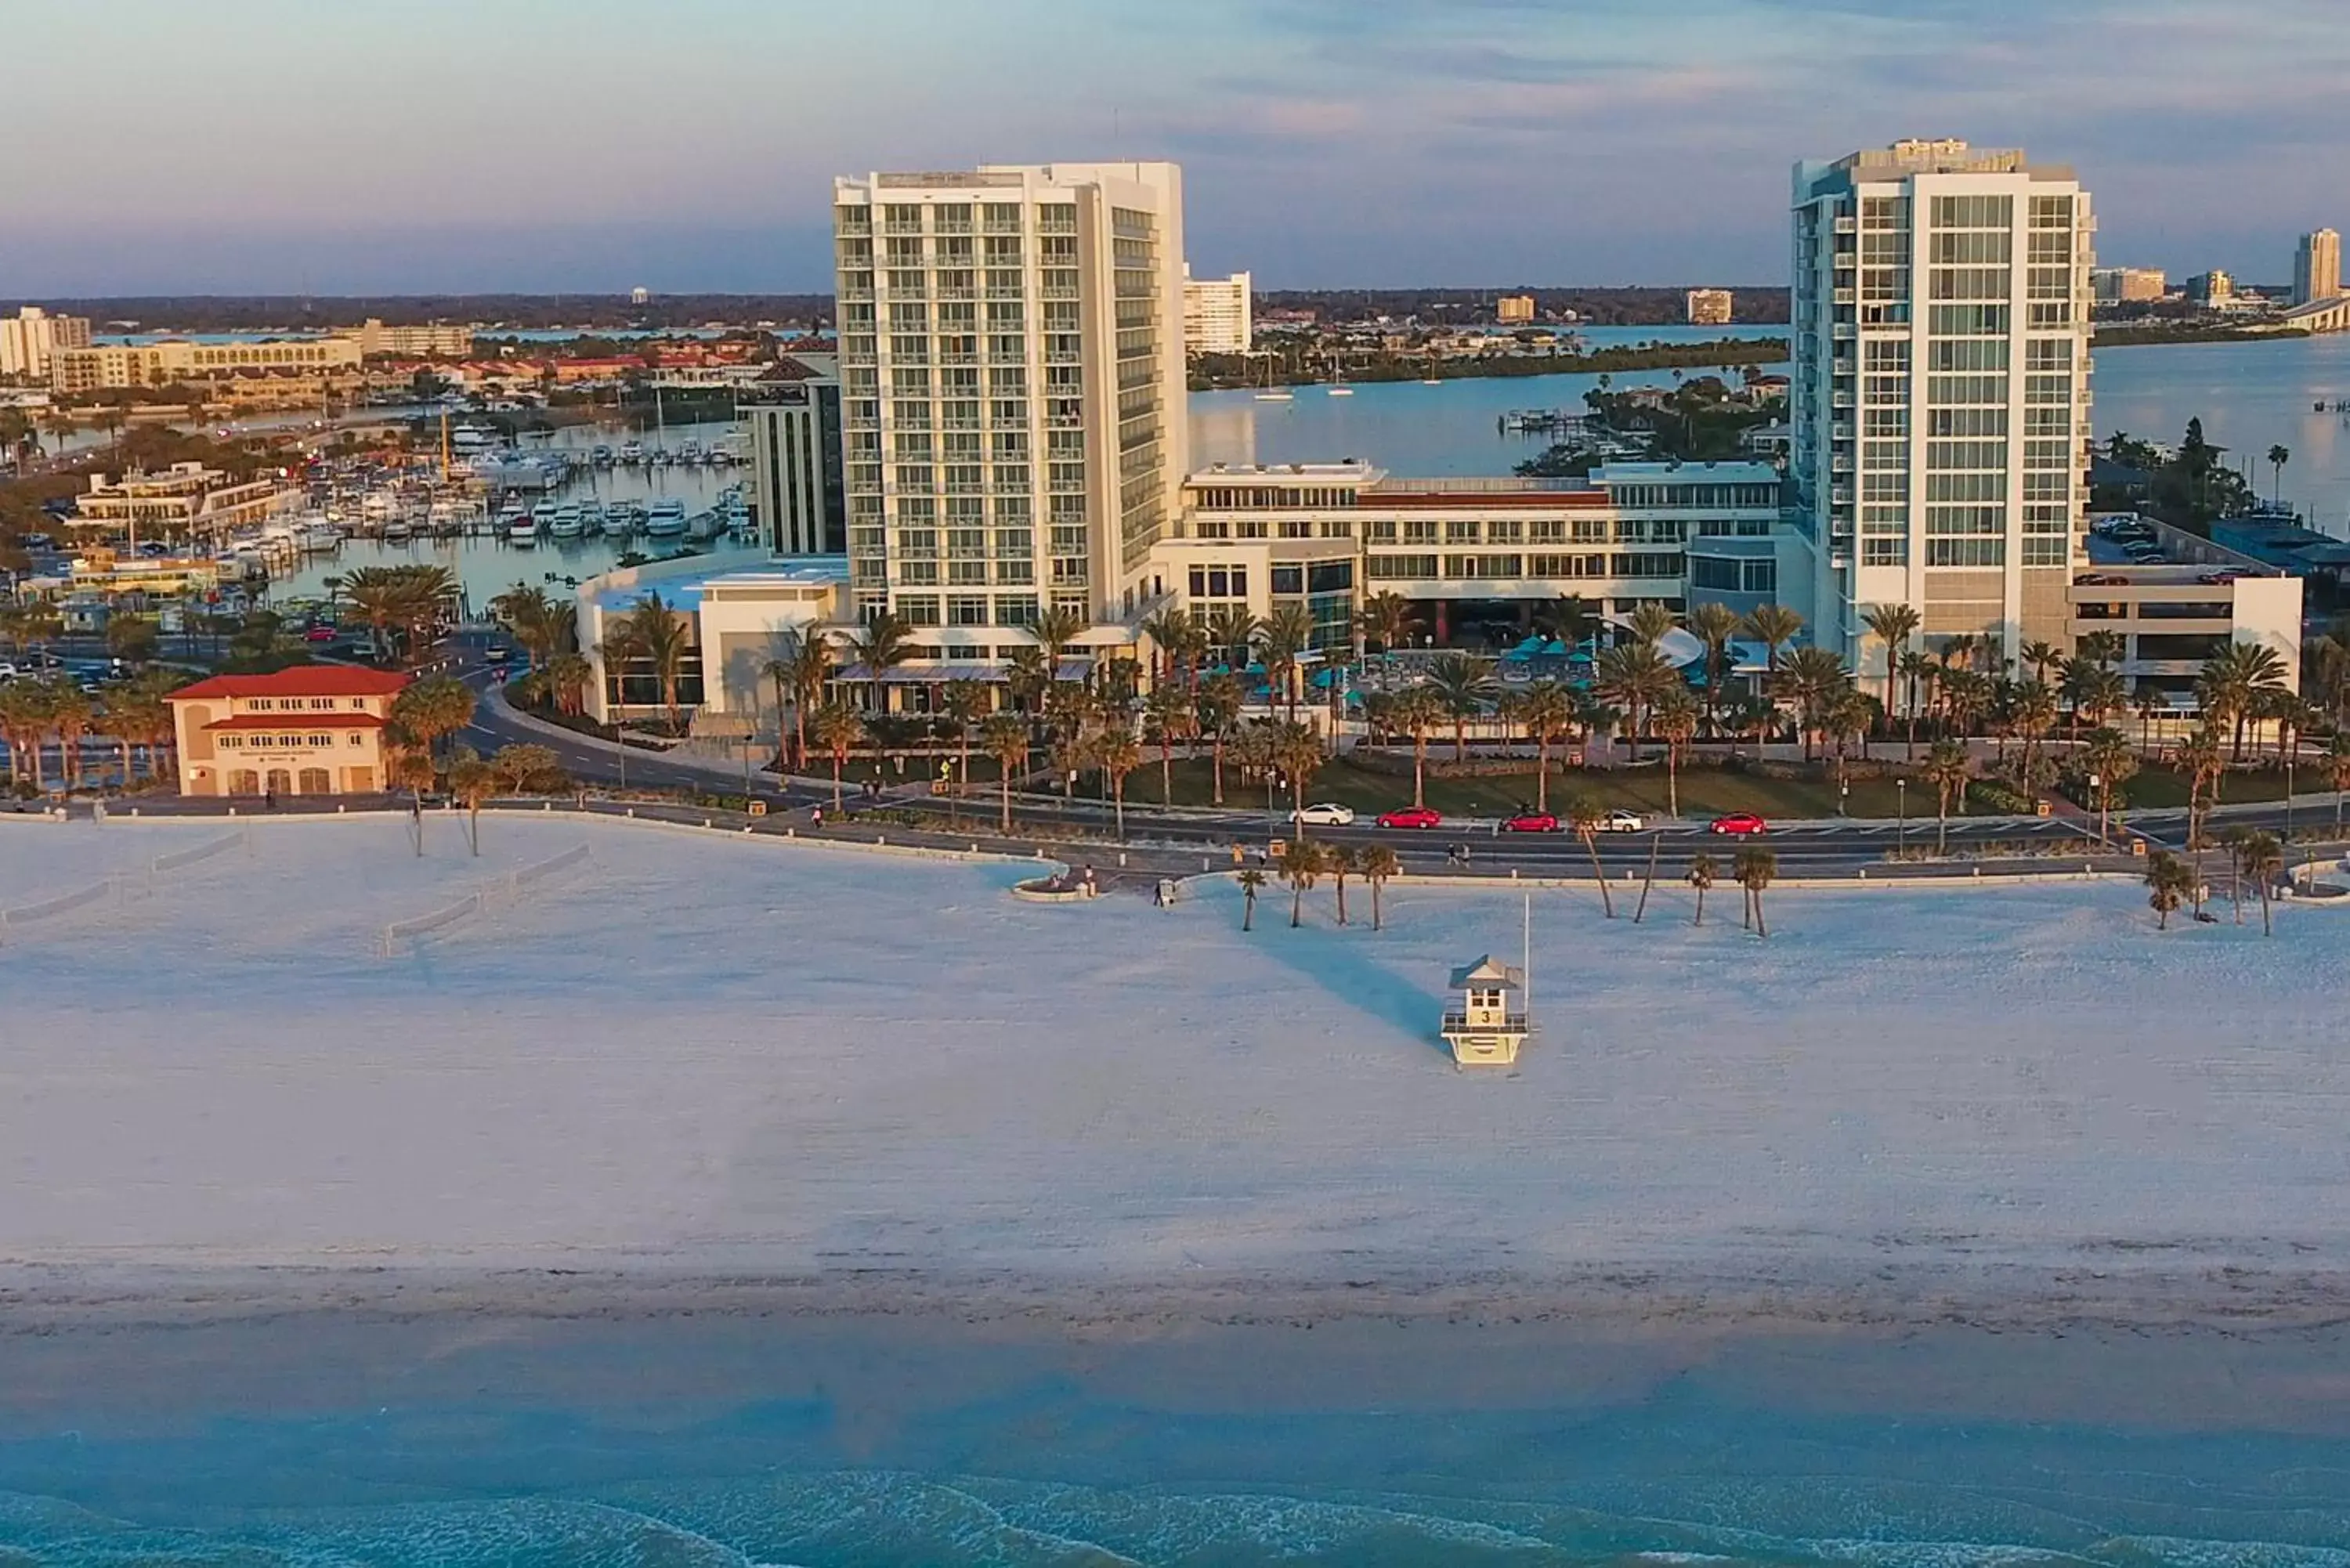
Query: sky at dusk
332	147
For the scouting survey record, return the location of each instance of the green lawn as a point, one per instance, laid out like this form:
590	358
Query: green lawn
2159	787
1704	792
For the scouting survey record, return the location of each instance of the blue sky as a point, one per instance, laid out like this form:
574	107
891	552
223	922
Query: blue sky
334	146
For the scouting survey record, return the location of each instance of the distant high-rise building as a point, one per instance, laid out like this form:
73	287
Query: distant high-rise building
2130	284
30	340
1940	395
1218	314
1012	381
1514	308
641	296
1710	307
2317	267
797	485
2215	289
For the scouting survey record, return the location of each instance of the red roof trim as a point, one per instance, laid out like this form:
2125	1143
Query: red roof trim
319	721
298	681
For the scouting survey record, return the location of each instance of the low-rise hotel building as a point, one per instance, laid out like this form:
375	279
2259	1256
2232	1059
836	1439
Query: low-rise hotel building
104	365
1479	552
315	729
1710	307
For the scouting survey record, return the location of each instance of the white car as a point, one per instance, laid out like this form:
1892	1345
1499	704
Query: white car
1622	821
1325	813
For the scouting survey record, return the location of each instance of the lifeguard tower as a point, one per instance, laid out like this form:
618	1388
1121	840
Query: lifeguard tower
1486	1021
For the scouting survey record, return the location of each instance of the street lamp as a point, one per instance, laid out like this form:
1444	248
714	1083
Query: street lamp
1901	816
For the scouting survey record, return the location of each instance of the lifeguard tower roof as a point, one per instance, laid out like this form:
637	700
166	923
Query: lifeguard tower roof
1486	974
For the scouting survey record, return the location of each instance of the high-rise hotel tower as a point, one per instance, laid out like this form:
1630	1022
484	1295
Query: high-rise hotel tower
1940	399
1011	393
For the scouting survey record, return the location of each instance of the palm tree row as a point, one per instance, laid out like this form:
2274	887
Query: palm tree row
1305	862
403	606
35	714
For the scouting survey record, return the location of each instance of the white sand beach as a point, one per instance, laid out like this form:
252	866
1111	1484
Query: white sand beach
693	1055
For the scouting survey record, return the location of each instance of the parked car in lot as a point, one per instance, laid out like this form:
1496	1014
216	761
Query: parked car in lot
1531	822
1623	821
1324	814
1739	823
321	634
1412	816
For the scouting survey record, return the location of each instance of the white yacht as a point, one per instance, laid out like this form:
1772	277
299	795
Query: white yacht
567	522
522	531
666	520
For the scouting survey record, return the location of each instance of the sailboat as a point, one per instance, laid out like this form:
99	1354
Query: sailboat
1269	393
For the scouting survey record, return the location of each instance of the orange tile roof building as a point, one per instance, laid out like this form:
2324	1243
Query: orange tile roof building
315	729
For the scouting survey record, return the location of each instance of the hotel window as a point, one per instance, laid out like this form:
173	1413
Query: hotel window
919	609
966	610
1419	532
1015	609
1459	532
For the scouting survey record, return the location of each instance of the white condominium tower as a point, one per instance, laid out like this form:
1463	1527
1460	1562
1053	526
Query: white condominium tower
1941	390
1011	388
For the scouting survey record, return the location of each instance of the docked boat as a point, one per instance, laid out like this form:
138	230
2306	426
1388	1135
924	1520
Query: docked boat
321	537
689	451
632	453
666	520
398	531
602	456
523	532
591	518
567	522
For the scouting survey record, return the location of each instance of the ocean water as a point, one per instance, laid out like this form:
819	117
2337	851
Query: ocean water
1088	1457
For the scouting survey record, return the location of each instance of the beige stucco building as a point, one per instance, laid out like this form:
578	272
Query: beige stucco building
315	729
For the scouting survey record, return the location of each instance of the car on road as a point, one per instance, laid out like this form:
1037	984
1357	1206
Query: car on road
1411	816
1324	814
497	653
1739	823
1531	822
1623	821
321	634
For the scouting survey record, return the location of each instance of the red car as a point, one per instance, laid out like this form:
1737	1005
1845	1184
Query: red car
1741	823
1411	816
320	634
1531	822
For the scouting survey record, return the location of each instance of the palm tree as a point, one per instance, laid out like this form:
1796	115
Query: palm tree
1169	717
1054	630
1675	721
567	675
1649	622
1231	632
2337	772
2233	685
1251	882
1341	861
1027	677
1714	624
410	768
1947	768
1297	752
1633	677
1462	683
1170	631
2109	760
1219	710
1416	711
1893	625
1387	619
1584	815
528	615
1571	620
1116	755
1301	868
472	780
2261	855
70	716
839	729
887	642
1700	877
435	706
1378	862
965	702
1775	627
1004	737
1281	642
808	671
2040	657
2032	709
1812	679
657	635
2204	762
2172	882
1546	710
25	721
1755	867
2278	457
